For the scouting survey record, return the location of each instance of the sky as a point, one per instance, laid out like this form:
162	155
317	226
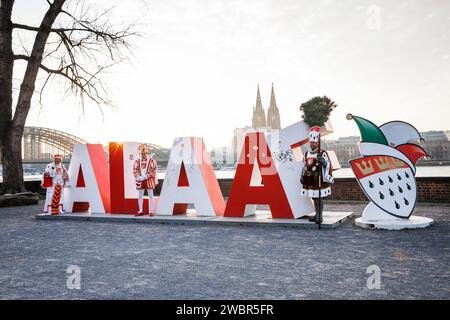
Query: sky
196	66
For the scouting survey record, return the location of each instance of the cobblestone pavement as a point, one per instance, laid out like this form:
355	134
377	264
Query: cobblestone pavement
157	261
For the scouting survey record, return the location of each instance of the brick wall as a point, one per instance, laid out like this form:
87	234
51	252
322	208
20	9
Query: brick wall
433	189
347	189
428	189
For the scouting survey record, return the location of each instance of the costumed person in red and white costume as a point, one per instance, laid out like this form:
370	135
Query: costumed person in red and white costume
316	175
54	179
145	171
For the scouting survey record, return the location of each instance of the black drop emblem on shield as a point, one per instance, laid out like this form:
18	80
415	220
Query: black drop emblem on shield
390	179
391	192
398	177
381	196
408	186
406	201
400	189
370	184
381	181
397	205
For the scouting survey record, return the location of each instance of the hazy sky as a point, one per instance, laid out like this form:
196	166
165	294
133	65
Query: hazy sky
195	70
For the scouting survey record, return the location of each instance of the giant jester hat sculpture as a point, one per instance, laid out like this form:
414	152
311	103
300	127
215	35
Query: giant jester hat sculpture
386	171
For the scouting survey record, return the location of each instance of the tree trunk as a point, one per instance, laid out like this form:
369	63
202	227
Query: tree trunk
6	76
34	63
11	128
12	162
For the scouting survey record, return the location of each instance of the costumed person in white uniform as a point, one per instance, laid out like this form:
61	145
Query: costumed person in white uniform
316	175
54	179
145	171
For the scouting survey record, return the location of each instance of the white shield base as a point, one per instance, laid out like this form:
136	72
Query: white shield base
374	213
375	218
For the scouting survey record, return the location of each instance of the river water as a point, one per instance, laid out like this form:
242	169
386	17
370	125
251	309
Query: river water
437	171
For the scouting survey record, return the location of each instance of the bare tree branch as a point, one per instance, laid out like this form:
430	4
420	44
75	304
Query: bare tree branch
86	46
75	44
80	84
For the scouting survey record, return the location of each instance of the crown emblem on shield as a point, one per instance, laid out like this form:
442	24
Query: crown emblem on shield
382	163
366	168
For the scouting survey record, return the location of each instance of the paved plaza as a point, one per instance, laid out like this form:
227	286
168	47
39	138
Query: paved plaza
171	261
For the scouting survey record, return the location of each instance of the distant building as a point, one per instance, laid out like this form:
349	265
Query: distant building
273	114
239	136
346	148
260	122
259	119
435	135
259	115
221	157
439	150
447	133
437	144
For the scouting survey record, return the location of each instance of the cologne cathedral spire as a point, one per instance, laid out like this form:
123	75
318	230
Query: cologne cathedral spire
273	114
259	116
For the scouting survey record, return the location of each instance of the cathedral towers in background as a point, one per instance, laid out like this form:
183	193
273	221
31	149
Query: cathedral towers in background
260	122
259	119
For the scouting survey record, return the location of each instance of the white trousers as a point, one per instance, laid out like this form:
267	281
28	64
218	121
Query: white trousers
49	198
141	200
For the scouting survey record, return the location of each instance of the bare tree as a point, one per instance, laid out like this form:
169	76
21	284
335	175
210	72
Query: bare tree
78	51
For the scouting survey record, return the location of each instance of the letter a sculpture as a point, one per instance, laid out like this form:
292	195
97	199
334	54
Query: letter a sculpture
386	173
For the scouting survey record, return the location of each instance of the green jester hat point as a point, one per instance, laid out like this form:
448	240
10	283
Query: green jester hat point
369	131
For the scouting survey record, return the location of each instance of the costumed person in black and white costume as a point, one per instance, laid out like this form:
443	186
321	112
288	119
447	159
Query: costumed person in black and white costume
316	175
145	171
55	179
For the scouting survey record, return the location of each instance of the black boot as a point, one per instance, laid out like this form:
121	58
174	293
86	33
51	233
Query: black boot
319	218
319	206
